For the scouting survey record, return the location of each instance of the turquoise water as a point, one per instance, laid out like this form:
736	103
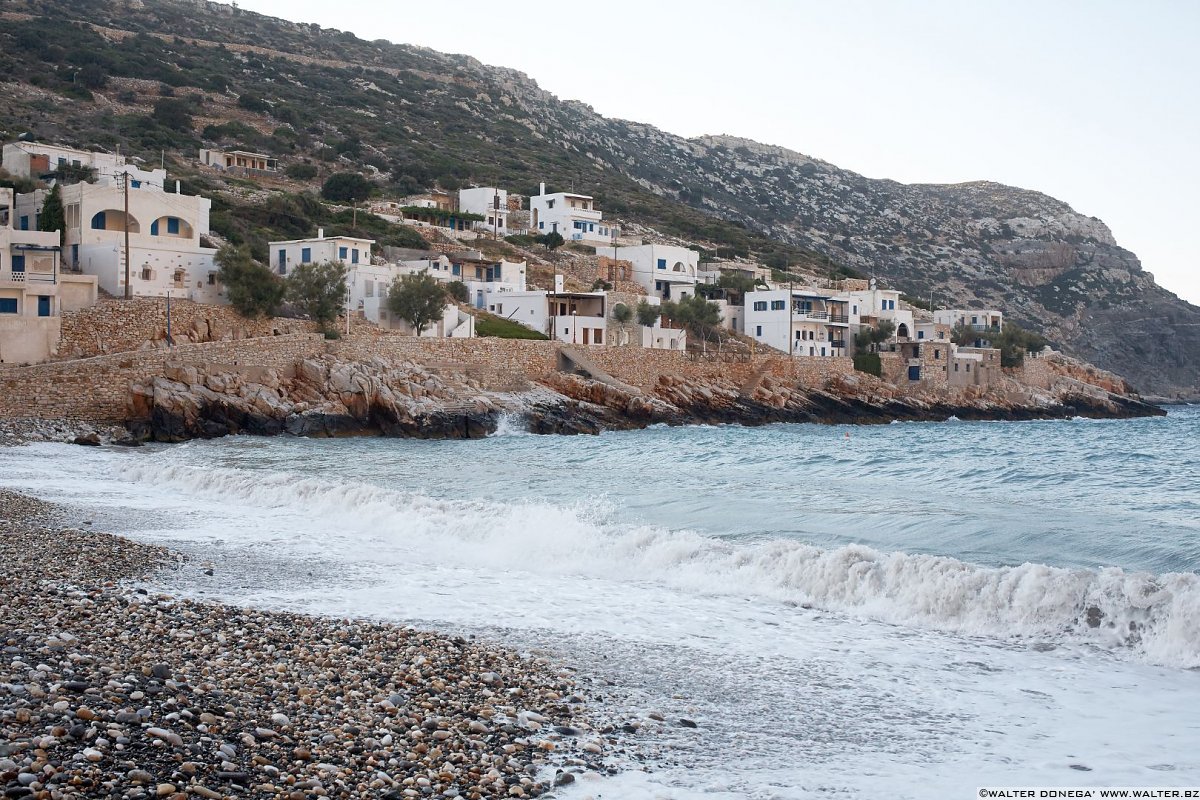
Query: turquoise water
911	610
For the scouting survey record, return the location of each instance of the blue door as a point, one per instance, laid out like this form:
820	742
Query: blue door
914	373
18	263
43	306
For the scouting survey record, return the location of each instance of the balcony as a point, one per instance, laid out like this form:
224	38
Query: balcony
839	318
839	344
27	277
810	314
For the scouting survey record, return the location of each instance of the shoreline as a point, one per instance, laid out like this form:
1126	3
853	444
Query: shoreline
112	690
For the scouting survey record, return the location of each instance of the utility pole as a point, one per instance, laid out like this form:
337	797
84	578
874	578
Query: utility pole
354	223
496	216
128	285
170	341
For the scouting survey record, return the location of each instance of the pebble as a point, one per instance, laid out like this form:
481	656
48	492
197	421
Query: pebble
226	702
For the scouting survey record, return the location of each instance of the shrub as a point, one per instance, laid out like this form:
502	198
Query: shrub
647	314
346	187
550	240
253	290
253	102
458	290
172	114
622	313
301	171
868	363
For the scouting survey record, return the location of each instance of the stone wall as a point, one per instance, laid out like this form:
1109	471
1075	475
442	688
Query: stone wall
117	326
97	389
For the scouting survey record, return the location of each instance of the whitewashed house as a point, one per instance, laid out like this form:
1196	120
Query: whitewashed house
980	321
488	202
164	233
367	287
33	290
575	317
665	271
874	305
573	216
802	322
37	160
287	255
242	162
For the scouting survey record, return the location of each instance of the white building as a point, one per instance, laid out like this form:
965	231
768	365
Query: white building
802	322
33	290
573	216
575	317
164	231
349	250
367	287
874	305
663	270
490	203
976	320
37	160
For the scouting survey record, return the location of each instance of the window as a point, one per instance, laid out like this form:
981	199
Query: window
591	227
147	274
891	305
341	254
282	262
920	334
455	269
18	263
24	222
937	354
758	330
62	162
306	255
135	184
212	279
760	305
974	320
500	308
541	226
369	288
479	273
778	305
956	366
662	263
8	305
354	256
549	204
968	366
822	351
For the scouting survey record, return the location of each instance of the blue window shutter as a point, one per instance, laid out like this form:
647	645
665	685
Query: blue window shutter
173	225
306	255
662	263
24	223
8	305
354	256
98	222
135	184
456	269
18	263
154	228
342	253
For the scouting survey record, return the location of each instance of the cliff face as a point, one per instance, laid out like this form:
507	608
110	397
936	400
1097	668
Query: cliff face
416	116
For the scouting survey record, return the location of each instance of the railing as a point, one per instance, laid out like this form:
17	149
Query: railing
29	277
995	328
838	343
811	314
839	317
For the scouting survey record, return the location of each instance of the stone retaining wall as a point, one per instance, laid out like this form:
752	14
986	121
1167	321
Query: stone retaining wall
119	326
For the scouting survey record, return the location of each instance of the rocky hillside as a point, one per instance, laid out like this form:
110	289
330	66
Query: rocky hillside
413	117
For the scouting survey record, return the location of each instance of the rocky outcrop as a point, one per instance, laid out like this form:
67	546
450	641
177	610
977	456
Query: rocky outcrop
325	397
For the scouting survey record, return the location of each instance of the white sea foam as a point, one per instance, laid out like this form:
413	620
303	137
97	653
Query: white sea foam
1155	618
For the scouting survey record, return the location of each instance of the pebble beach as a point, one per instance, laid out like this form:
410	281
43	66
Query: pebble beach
109	689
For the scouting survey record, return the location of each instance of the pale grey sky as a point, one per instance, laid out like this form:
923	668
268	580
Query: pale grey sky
1095	103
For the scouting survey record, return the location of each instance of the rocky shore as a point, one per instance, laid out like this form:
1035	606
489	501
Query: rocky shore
329	397
108	690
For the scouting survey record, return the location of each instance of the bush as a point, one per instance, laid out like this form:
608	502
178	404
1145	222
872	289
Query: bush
622	313
868	363
346	187
458	290
318	290
550	240
174	115
253	290
647	314
252	102
301	172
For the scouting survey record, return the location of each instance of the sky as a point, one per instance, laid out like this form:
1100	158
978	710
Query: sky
1094	103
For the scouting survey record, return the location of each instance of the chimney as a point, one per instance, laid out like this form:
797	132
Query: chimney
320	233
542	187
177	187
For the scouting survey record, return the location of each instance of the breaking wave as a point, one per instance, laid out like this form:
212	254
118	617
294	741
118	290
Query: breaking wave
1154	618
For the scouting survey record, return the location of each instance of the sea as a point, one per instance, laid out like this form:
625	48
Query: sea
913	610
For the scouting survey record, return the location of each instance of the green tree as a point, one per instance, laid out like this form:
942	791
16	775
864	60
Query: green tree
622	313
963	335
346	187
252	288
1013	342
647	314
417	299
551	241
458	290
253	102
68	174
736	284
173	114
53	216
93	76
318	290
869	339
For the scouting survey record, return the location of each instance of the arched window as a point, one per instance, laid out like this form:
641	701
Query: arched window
113	219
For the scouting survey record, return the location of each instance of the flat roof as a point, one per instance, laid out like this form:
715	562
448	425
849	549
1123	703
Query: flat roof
325	239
